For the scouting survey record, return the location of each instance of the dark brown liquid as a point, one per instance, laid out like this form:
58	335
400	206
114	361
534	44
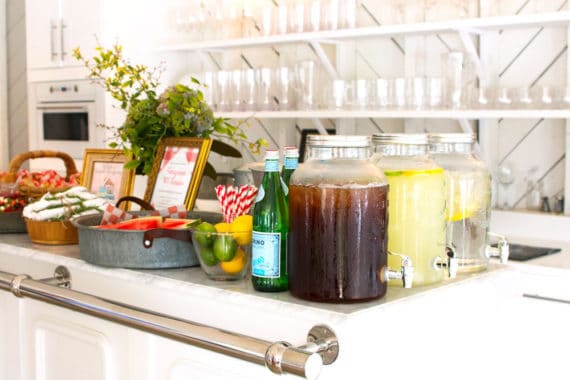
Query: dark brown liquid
337	242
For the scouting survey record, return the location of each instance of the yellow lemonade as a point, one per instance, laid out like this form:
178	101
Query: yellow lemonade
416	221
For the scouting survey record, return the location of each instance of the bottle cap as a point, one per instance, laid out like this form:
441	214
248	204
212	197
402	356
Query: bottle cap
271	154
290	151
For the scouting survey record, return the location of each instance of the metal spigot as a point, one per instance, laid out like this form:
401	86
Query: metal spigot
451	264
501	251
406	274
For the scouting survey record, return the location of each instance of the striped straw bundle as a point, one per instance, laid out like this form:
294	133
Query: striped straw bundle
235	201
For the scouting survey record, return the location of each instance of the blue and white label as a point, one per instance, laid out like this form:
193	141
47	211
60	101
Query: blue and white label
271	165
291	162
266	254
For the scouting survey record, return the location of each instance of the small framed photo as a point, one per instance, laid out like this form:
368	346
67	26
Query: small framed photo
177	172
104	173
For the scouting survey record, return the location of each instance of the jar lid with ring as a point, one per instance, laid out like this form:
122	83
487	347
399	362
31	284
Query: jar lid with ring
338	160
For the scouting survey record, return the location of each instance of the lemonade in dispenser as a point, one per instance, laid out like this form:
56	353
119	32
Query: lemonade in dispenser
416	206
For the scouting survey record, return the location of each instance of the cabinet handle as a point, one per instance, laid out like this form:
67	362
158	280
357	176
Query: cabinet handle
306	360
53	38
62	38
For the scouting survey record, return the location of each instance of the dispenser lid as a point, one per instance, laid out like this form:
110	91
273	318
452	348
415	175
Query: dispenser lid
452	138
332	141
400	138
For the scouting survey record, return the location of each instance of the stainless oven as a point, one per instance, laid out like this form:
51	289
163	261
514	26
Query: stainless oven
64	117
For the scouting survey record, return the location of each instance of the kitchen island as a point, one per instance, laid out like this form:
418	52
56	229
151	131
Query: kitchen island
510	321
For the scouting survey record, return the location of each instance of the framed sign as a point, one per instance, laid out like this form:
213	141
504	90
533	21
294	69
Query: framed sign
177	171
104	173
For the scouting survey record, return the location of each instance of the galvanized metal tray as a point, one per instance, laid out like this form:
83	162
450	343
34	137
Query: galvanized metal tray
126	249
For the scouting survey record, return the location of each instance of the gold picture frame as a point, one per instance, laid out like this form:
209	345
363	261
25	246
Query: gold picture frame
177	171
104	174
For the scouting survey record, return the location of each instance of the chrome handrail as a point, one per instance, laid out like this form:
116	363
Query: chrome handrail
280	357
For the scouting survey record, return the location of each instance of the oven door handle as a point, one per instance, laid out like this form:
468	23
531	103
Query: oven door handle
85	108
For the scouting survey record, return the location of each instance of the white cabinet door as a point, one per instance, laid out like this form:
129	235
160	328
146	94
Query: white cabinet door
59	344
9	328
42	31
81	25
54	28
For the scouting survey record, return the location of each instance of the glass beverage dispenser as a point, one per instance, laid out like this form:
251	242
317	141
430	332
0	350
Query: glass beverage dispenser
468	207
337	223
416	200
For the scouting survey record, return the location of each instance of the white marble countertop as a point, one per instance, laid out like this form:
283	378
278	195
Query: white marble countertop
195	276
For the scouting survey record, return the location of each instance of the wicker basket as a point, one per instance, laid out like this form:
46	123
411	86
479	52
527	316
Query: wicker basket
35	192
52	233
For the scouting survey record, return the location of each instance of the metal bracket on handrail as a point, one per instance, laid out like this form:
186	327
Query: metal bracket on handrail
305	360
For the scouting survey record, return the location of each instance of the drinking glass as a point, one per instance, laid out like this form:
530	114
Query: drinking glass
305	74
266	19
506	177
281	19
209	92
416	92
381	93
434	92
399	93
263	85
453	69
338	94
504	97
248	89
312	15
283	88
330	14
296	16
347	14
543	96
360	94
236	90
223	91
522	97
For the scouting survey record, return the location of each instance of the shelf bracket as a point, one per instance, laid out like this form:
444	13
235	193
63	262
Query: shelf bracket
325	61
471	50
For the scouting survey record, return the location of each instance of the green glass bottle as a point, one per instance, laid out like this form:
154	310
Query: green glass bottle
270	228
290	163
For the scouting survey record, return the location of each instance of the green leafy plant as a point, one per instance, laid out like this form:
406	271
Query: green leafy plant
179	111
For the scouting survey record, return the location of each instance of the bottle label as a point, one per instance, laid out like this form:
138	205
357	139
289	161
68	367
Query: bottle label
266	254
271	165
291	163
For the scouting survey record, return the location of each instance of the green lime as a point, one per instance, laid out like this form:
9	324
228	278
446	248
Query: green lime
204	234
225	247
208	256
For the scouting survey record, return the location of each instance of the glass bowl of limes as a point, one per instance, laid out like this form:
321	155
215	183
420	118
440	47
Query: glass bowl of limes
224	249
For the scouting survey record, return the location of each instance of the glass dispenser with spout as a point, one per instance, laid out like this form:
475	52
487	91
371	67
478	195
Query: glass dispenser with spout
337	224
468	208
416	210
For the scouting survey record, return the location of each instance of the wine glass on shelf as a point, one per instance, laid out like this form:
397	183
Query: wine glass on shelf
505	177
